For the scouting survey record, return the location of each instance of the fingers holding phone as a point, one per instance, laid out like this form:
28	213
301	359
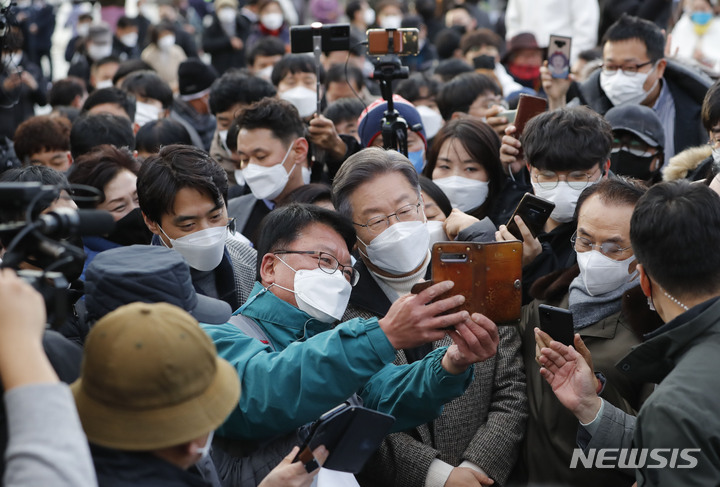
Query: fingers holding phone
510	151
474	340
531	246
294	474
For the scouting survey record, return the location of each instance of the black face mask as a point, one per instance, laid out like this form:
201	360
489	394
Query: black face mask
627	164
131	229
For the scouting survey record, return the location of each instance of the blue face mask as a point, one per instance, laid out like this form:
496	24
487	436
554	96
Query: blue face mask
418	159
701	18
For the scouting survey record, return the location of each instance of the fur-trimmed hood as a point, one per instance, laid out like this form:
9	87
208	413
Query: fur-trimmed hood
685	162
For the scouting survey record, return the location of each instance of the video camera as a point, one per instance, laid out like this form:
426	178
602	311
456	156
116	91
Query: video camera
45	240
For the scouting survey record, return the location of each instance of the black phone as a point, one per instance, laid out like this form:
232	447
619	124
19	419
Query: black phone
558	323
335	37
484	61
534	212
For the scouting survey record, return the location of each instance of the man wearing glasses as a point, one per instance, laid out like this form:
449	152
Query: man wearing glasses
566	151
634	71
609	311
306	366
477	437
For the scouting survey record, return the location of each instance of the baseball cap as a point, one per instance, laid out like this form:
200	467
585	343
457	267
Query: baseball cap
639	120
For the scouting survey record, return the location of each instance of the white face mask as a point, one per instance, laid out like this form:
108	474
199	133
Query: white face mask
465	194
205	450
622	89
400	248
266	183
106	83
432	121
716	155
391	22
603	274
239	178
83	29
130	39
436	231
321	295
226	15
304	99
166	43
204	249
272	21
265	73
564	197
222	135
306	173
369	16
144	113
99	51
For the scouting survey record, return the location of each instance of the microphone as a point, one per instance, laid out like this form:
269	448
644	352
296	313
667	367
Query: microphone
64	222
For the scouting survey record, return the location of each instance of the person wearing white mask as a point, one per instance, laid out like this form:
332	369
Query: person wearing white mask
96	45
308	364
181	192
270	23
565	151
102	72
152	94
464	162
125	40
361	16
389	14
272	153
295	77
379	192
609	314
163	54
635	70
263	56
224	39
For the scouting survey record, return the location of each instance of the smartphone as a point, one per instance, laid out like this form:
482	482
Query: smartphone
509	114
528	107
483	61
534	212
486	274
402	42
559	56
558	323
335	37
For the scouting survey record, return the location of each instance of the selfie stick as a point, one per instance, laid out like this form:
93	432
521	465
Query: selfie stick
317	50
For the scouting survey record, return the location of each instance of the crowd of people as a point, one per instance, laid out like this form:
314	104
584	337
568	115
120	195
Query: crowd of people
232	234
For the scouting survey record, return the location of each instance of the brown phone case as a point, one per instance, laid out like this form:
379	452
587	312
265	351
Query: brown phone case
486	274
528	107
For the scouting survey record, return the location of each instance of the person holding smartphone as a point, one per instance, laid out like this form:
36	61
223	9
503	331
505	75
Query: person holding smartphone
609	311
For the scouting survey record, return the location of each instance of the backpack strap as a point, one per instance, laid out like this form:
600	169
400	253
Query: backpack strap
251	329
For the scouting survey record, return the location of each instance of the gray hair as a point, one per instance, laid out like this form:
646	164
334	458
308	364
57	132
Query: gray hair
364	166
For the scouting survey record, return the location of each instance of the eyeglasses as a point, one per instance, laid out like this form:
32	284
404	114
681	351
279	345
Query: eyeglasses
628	70
610	249
574	179
327	263
633	146
407	213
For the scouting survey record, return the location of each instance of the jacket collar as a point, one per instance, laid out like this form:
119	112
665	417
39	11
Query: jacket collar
654	359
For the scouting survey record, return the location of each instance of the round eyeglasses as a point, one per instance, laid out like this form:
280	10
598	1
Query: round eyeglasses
407	213
327	263
574	179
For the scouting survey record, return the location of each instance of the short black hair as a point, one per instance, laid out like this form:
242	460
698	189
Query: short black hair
711	107
353	6
447	69
90	131
116	96
613	191
479	38
30	174
309	193
105	60
568	139
159	133
130	66
173	168
410	88
446	42
125	22
295	63
337	73
100	166
162	26
630	27
459	93
278	116
64	91
284	225
265	46
675	234
149	85
344	109
232	88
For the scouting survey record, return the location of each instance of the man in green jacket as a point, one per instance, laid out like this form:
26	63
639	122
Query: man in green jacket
307	367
